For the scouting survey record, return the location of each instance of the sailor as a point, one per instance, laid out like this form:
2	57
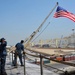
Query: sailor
18	52
3	54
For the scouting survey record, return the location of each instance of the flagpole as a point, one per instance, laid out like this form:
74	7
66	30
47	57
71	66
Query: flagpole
35	32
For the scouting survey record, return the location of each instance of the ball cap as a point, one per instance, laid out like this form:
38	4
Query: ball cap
22	41
2	38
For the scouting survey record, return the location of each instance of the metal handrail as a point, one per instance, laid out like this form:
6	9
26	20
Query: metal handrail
46	56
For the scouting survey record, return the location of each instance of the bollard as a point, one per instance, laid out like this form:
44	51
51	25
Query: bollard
41	65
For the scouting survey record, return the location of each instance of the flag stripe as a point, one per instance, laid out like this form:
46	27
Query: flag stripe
61	13
64	14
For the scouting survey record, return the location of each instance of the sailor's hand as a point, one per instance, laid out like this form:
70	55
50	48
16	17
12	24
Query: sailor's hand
23	52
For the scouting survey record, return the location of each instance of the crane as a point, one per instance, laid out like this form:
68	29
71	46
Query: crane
27	41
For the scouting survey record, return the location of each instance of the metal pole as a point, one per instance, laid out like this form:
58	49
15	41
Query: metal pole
73	38
35	32
24	65
41	65
12	57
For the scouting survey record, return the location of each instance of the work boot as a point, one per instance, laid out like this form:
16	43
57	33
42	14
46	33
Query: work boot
3	73
15	66
22	65
0	73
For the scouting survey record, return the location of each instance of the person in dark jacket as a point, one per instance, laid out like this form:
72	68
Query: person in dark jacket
3	54
18	52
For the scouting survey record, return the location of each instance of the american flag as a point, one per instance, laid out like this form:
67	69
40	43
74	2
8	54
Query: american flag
60	12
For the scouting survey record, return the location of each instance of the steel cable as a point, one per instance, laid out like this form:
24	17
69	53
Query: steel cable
41	32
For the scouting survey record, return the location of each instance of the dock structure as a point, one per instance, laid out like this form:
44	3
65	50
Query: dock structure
63	42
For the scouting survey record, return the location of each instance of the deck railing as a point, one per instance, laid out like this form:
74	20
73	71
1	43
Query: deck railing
42	55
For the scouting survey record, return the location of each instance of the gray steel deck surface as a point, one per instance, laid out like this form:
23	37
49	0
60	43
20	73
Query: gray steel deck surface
31	69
